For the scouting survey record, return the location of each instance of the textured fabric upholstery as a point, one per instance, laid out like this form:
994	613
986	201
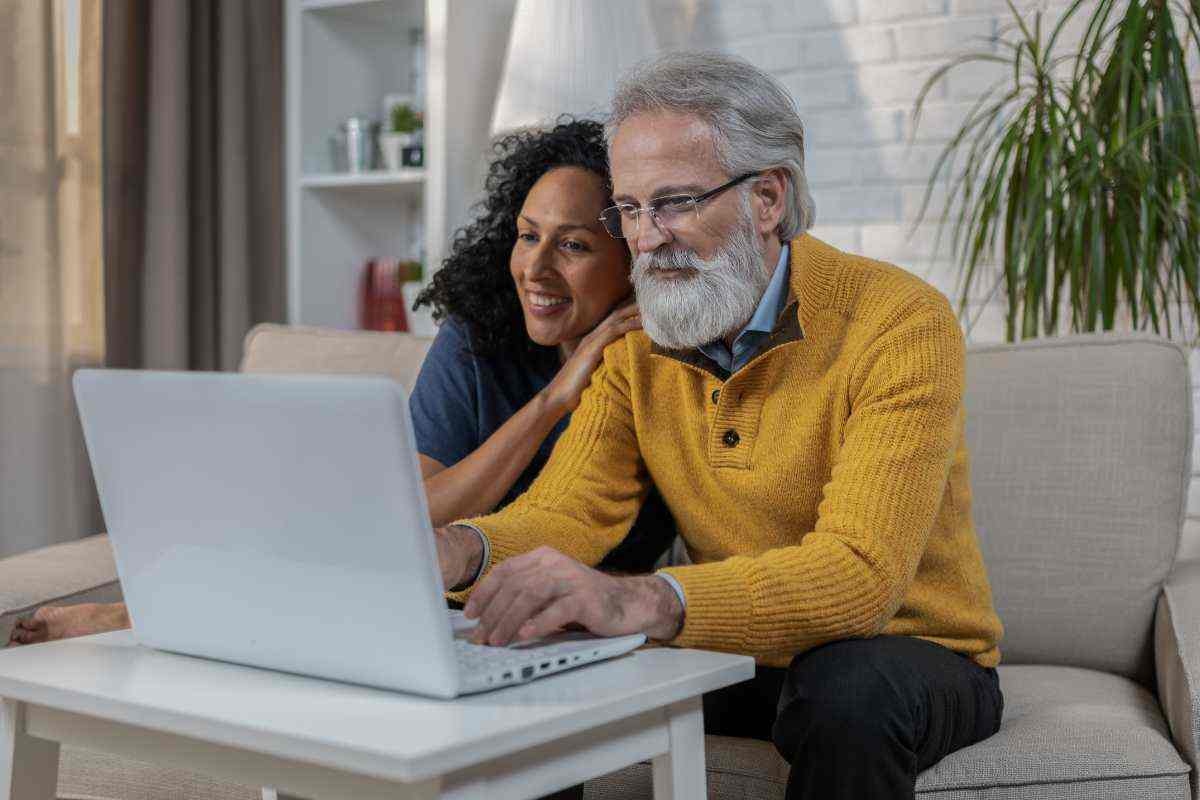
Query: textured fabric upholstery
1177	657
76	572
283	348
1067	733
1080	459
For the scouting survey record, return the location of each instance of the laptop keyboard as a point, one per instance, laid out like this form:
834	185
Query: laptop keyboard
564	650
478	657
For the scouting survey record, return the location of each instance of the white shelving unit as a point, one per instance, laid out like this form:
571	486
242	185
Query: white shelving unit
342	57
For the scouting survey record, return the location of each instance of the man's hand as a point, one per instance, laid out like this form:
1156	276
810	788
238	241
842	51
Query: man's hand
540	592
459	554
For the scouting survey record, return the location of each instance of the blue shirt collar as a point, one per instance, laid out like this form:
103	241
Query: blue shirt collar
762	322
774	298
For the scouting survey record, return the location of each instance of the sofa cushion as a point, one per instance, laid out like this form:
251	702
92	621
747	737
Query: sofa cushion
1066	733
292	348
1080	463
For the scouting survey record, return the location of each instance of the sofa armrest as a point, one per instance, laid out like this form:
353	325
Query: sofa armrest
1177	660
75	572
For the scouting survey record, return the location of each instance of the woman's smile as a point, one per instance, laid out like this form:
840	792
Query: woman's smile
544	305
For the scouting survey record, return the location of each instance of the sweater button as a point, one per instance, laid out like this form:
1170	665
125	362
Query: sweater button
716	395
731	438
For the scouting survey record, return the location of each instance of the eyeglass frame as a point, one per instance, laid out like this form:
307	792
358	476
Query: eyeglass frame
653	211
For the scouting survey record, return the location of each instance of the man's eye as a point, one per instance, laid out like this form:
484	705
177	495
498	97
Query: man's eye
675	203
527	237
575	246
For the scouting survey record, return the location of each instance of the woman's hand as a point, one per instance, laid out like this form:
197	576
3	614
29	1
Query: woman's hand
576	373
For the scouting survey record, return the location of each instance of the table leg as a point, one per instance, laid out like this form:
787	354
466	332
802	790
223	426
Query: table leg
28	766
679	773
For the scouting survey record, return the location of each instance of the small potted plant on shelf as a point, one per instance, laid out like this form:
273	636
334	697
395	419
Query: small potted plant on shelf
401	145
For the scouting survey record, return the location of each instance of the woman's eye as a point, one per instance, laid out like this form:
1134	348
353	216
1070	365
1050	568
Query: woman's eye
527	236
575	246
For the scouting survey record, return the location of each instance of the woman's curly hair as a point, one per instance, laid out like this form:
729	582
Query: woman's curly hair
474	284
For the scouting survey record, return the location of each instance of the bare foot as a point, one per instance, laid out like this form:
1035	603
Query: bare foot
63	622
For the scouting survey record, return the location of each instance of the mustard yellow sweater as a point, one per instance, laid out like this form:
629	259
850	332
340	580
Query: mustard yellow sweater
822	490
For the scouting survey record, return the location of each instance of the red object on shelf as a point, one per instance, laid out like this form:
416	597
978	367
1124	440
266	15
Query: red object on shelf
382	305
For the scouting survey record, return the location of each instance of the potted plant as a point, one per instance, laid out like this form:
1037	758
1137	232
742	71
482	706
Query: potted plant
1075	181
401	144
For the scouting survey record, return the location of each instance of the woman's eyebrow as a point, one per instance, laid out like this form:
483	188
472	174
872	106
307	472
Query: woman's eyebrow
566	226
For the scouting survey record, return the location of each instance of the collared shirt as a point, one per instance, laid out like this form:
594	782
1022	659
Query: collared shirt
770	306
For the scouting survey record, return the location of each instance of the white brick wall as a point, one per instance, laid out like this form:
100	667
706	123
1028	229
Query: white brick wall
855	68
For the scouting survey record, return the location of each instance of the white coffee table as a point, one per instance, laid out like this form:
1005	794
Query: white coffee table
327	740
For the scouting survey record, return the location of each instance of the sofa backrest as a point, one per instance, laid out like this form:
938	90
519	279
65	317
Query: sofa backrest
1080	459
293	348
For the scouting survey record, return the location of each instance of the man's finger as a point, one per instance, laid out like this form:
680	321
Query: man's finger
528	604
552	618
481	595
503	596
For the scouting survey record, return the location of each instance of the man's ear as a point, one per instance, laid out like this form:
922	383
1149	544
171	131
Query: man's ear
769	195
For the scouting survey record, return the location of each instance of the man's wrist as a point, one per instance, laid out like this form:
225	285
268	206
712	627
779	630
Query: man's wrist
470	544
664	612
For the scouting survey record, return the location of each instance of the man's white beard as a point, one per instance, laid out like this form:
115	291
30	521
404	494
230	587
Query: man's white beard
716	300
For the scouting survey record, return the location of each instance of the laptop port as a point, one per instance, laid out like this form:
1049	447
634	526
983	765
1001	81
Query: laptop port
526	672
544	665
562	661
508	676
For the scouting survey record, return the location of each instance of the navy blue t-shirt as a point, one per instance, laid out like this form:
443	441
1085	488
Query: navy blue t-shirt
461	399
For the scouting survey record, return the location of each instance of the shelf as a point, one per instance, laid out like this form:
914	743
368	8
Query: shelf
347	180
396	16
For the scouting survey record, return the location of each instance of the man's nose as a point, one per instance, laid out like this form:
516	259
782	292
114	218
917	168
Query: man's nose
651	234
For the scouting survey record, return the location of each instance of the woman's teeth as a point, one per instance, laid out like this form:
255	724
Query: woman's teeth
545	300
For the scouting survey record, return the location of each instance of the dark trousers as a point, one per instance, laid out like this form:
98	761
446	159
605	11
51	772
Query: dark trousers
861	717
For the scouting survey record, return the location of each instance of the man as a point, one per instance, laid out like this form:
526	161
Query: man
800	411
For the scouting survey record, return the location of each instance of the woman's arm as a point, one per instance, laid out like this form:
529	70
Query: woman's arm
476	484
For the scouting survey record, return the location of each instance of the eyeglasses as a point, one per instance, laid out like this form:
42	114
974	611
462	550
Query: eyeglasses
623	219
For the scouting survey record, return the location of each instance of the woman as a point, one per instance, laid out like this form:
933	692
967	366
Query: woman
532	292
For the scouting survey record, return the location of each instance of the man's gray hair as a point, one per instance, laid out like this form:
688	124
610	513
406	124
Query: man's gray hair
754	123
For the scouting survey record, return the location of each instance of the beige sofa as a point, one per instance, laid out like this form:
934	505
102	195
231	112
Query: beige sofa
1081	454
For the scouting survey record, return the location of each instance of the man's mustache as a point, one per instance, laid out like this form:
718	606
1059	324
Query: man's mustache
667	260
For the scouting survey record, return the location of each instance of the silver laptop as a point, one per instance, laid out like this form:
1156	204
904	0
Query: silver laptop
280	521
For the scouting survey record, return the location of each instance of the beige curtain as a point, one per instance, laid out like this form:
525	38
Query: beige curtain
51	301
193	101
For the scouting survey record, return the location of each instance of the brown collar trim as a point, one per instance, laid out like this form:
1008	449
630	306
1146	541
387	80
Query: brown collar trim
787	329
693	358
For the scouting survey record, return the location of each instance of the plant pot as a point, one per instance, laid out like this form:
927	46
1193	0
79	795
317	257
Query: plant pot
393	145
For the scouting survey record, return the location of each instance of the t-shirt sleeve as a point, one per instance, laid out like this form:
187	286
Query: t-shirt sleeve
443	403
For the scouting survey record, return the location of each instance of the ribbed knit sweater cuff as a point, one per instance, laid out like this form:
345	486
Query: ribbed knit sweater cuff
719	606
